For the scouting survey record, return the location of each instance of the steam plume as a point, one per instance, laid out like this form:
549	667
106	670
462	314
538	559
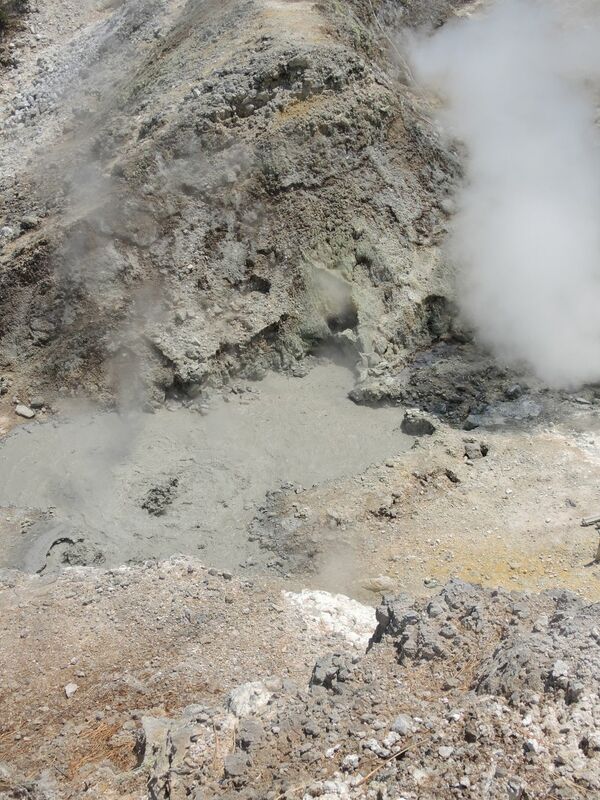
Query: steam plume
517	84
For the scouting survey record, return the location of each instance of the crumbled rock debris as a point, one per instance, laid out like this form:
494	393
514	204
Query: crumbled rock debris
470	692
160	497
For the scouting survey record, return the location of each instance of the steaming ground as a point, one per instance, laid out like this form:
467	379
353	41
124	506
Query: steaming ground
525	236
84	479
255	181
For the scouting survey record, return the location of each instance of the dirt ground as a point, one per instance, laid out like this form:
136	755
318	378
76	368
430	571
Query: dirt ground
139	641
511	518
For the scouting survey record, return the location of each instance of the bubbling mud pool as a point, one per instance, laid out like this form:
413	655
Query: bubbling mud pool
101	488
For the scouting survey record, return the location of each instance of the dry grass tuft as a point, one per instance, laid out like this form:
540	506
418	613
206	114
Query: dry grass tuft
98	746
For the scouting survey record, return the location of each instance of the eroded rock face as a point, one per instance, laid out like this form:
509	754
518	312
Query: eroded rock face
209	215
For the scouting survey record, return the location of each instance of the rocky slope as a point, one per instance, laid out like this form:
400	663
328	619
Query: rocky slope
194	190
174	681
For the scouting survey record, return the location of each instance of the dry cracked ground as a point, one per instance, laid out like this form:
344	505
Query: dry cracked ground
232	564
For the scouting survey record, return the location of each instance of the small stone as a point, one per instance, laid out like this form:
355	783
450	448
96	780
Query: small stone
375	747
559	669
379	583
24	411
473	451
445	752
70	690
247	699
390	740
250	733
29	223
472	421
540	624
434	609
575	691
452	476
448	631
403	725
235	765
37	403
514	391
311	729
415	423
350	762
471	734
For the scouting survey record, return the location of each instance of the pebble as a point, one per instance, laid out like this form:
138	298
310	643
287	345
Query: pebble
403	725
379	583
375	747
350	762
29	223
415	423
513	392
24	411
70	690
235	764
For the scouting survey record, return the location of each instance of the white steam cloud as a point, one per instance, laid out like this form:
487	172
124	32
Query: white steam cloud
518	82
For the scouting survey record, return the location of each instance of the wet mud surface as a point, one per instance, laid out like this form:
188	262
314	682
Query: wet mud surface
103	488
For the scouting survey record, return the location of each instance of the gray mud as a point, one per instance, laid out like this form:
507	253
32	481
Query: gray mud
101	488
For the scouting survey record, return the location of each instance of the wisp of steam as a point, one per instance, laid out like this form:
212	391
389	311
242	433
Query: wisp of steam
517	84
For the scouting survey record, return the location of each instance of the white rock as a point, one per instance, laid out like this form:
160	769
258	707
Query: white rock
350	762
248	698
403	725
334	789
24	411
335	613
391	739
375	747
70	690
420	775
